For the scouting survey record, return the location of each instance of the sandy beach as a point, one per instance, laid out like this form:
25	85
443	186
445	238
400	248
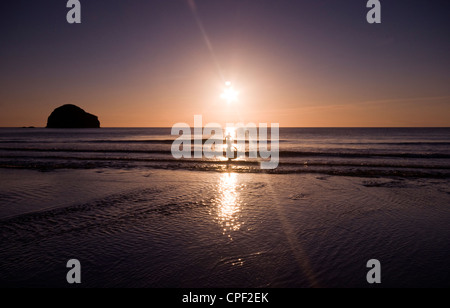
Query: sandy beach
165	228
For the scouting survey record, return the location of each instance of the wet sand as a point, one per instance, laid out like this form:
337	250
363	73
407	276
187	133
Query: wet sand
162	228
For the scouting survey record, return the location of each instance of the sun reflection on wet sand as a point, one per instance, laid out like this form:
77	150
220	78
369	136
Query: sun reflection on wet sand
228	204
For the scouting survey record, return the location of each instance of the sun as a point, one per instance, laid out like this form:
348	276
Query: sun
229	94
230	131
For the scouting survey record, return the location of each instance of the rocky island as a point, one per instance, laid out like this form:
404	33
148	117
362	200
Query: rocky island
71	116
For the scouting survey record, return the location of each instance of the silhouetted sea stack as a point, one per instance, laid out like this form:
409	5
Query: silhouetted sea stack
71	116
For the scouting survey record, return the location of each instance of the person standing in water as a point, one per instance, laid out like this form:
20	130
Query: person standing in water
230	147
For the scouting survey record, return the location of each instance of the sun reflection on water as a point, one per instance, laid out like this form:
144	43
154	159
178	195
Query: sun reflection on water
228	204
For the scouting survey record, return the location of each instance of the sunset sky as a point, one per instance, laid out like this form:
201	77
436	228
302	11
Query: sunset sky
154	63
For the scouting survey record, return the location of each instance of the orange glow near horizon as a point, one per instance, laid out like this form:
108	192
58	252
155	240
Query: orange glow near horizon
263	98
163	108
376	114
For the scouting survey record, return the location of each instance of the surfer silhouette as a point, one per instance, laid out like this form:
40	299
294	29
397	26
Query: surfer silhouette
230	147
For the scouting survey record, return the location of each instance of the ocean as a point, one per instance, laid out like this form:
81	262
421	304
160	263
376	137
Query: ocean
416	152
116	200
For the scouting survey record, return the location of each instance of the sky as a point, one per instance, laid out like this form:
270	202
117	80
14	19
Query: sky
299	63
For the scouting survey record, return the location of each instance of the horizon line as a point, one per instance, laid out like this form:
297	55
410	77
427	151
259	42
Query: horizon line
39	127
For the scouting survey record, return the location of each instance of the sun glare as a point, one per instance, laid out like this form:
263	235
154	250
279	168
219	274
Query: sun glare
230	131
229	204
229	94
